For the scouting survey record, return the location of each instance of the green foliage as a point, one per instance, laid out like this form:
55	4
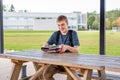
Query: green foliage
4	8
108	24
113	13
114	23
95	25
111	17
12	8
91	19
8	9
81	28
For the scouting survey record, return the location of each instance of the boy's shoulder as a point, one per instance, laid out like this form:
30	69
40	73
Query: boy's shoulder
56	32
73	32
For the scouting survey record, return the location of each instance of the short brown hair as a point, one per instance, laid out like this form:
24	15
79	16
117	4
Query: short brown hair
62	18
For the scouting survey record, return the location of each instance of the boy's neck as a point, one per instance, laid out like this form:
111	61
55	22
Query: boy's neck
64	33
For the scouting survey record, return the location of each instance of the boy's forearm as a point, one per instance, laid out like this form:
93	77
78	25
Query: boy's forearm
73	49
46	45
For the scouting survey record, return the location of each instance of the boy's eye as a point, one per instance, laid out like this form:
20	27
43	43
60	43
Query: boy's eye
61	24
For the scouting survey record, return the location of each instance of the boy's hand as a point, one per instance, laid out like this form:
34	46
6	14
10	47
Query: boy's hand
64	48
46	45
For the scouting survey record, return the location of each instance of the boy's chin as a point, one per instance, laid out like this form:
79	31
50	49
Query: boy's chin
63	31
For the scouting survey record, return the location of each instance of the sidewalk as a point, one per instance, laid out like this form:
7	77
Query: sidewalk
6	67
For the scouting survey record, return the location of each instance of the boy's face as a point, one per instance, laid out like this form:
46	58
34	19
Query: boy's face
63	26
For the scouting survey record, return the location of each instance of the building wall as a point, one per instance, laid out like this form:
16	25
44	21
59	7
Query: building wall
45	24
84	20
38	21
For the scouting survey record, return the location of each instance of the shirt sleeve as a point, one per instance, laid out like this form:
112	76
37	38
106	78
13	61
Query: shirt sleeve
75	39
52	39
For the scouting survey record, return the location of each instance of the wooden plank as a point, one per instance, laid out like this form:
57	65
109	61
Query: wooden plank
37	67
112	69
17	61
109	76
87	74
38	52
97	78
16	70
72	74
79	60
38	72
26	78
59	61
101	74
50	56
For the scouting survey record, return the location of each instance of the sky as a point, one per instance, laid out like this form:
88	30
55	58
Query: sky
61	5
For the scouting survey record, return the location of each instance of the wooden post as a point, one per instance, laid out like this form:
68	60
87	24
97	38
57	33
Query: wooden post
87	74
101	74
72	74
17	65
1	28
36	66
38	72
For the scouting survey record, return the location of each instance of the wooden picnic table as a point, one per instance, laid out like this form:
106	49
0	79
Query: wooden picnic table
70	61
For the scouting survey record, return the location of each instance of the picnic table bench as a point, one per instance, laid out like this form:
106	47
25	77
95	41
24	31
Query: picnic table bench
70	61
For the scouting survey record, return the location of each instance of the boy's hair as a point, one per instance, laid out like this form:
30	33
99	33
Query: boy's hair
62	18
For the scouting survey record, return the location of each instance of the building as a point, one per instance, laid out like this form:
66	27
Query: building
41	21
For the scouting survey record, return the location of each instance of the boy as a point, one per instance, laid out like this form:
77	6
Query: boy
69	41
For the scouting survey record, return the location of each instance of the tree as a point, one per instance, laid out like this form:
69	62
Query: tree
4	8
91	19
95	25
25	11
108	23
111	17
12	8
118	22
114	23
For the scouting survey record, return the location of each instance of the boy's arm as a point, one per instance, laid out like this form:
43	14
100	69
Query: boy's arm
46	45
71	49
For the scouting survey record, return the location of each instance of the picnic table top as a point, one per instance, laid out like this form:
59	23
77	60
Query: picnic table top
89	61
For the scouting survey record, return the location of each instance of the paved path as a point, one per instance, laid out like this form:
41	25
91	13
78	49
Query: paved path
6	66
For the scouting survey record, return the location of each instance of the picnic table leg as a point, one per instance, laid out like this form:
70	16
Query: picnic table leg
38	72
101	74
72	73
87	75
17	65
37	66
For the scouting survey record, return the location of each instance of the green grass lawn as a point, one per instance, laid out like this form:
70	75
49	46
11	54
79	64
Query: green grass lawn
89	41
